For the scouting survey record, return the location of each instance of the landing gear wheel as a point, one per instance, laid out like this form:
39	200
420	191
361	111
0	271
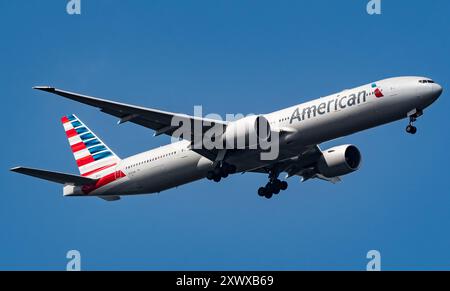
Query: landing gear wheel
411	129
276	185
217	172
273	187
224	174
262	191
283	185
221	171
229	169
268	195
269	187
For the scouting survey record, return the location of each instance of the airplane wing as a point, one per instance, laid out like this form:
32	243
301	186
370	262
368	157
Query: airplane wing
158	120
56	177
303	165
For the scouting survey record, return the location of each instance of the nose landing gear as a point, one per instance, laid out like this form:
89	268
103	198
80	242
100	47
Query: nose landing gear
411	129
413	115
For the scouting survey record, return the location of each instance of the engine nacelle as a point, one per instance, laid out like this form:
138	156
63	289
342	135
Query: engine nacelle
247	132
339	161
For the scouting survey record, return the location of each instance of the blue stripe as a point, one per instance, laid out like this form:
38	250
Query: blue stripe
81	130
87	136
92	142
76	123
102	155
71	118
97	149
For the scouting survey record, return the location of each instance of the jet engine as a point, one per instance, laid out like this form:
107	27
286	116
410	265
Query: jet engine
247	132
339	161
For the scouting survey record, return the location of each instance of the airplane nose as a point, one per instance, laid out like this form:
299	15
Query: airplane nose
429	92
437	90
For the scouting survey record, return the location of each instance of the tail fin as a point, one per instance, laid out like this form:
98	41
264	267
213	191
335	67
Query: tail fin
93	157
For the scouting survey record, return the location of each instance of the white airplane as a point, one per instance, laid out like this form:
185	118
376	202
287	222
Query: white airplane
299	129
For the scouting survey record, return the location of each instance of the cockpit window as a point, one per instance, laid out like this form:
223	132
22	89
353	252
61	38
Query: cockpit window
426	81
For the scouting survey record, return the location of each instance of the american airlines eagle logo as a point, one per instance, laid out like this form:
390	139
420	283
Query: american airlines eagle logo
377	91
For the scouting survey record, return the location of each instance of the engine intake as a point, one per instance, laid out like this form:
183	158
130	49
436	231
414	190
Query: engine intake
339	161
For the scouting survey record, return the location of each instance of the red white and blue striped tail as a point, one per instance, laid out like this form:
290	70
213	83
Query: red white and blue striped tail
94	158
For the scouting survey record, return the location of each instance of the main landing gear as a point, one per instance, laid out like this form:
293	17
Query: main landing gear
274	186
271	188
221	171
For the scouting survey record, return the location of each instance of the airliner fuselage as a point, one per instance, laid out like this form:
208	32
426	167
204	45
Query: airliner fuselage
301	128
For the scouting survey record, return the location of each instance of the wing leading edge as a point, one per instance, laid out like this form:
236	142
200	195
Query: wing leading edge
157	120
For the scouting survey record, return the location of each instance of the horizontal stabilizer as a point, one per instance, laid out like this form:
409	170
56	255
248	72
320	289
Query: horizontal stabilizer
56	177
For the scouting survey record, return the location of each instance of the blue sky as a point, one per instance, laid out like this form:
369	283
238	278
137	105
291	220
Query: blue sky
230	57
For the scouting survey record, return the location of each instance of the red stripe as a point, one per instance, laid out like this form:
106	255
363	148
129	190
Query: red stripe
78	147
97	170
64	119
71	133
103	181
120	174
86	160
